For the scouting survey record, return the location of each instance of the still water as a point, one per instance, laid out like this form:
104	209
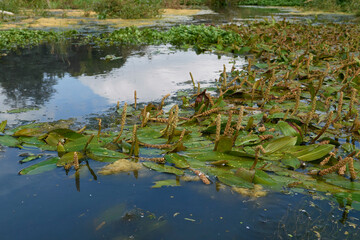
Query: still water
62	82
80	81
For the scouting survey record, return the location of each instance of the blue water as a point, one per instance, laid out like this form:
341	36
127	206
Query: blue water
56	205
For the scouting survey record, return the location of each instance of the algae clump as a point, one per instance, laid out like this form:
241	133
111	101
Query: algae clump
121	165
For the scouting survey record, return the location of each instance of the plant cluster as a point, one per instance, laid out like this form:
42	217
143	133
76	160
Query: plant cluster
274	125
15	39
128	9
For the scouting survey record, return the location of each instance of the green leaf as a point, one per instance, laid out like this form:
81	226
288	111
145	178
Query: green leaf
343	182
31	158
21	110
166	183
40	167
225	144
313	152
232	180
67	133
248	140
176	159
9	141
263	178
348	147
244	50
27	132
262	65
105	155
311	90
288	130
249	123
245	174
163	168
3	125
53	139
291	161
68	158
31	141
279	144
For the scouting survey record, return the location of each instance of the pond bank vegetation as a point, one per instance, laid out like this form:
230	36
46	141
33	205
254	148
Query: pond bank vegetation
126	9
287	122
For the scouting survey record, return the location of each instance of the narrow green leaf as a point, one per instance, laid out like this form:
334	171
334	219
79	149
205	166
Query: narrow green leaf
288	130
317	153
225	144
9	141
31	158
40	167
166	183
163	168
279	144
68	158
176	159
3	125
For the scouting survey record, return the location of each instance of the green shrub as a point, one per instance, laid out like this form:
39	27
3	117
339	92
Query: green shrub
128	8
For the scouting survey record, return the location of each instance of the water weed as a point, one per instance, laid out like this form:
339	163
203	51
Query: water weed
286	132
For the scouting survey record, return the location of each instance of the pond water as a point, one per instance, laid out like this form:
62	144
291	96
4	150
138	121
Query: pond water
63	82
78	82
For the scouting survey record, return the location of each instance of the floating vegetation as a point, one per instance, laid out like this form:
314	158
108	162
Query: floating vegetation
166	183
21	110
275	125
257	191
121	165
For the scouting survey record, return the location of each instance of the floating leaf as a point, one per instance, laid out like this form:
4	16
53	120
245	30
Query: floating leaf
166	183
291	161
9	141
279	144
53	139
163	168
220	163
3	125
40	167
27	132
68	158
312	152
263	178
225	144
21	110
105	155
31	157
248	140
176	159
231	179
289	130
348	147
245	174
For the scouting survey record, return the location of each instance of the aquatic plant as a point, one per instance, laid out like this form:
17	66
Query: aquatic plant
295	99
